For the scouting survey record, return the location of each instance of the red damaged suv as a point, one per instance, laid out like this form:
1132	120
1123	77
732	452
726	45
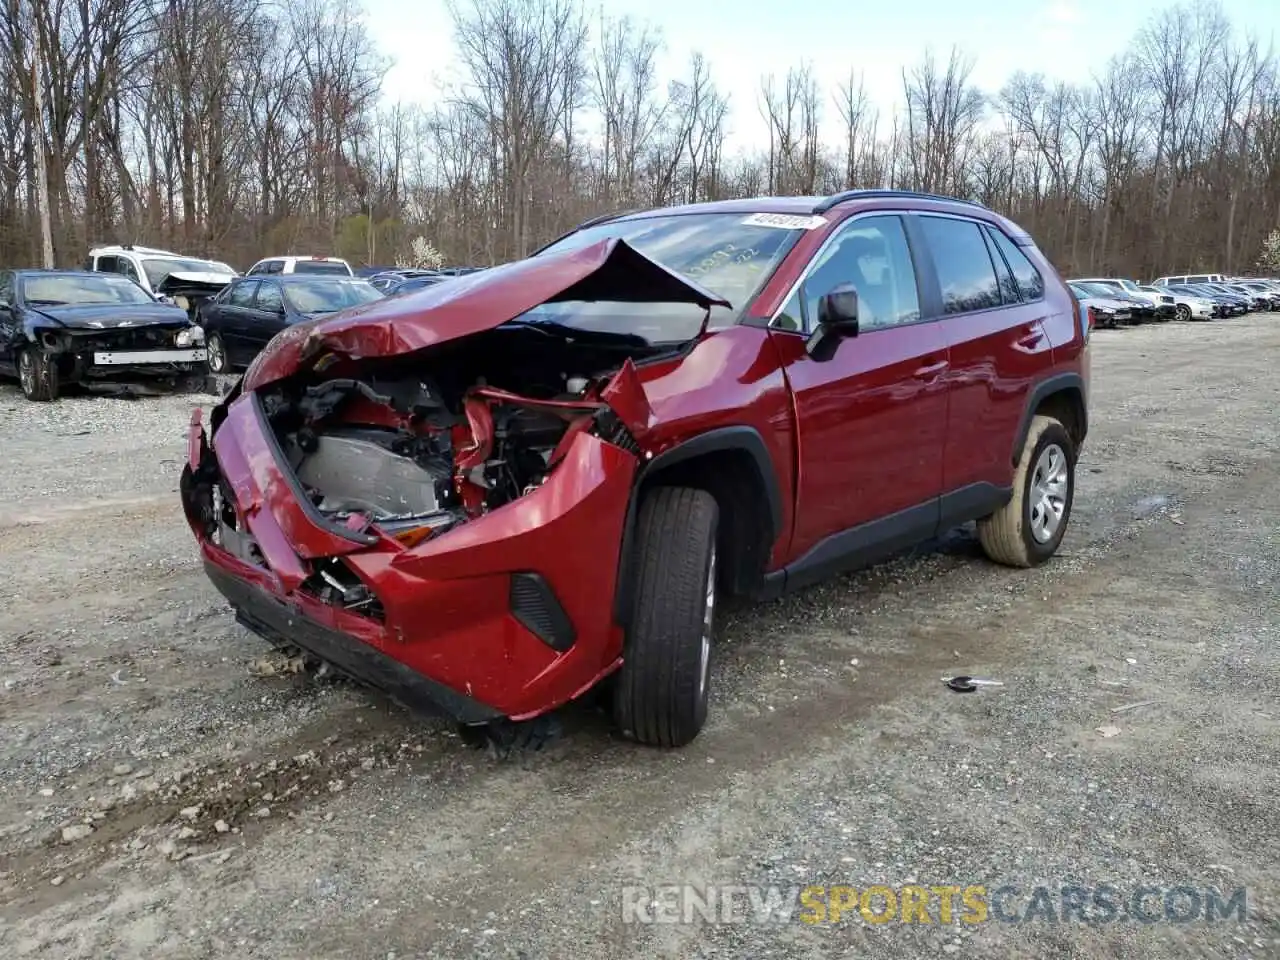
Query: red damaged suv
489	496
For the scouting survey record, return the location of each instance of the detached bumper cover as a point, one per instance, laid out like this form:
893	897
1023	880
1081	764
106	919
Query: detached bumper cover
281	624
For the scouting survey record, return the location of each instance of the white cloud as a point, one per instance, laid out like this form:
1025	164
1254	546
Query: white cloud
1064	12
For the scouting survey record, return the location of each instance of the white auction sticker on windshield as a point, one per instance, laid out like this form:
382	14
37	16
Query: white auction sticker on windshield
784	221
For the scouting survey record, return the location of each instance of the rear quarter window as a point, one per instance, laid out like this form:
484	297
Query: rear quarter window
1030	282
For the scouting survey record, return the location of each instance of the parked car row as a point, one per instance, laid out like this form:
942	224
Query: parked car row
1116	301
398	281
136	314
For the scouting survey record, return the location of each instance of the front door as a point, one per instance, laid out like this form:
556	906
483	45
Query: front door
237	321
10	330
266	319
871	416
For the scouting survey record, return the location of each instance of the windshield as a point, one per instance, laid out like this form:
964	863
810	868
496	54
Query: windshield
158	270
407	286
89	288
730	254
327	296
1099	290
329	267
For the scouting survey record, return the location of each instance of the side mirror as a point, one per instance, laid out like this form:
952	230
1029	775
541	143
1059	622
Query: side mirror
838	310
837	318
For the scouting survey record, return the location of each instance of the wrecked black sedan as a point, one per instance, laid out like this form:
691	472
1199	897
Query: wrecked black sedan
60	327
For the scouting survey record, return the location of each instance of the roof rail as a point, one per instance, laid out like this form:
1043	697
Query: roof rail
838	198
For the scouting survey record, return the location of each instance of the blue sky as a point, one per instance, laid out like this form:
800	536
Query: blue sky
745	39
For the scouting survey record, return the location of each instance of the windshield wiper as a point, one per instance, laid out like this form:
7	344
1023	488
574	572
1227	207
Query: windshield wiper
48	303
553	328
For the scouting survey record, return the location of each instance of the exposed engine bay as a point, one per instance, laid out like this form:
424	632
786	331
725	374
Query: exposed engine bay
421	444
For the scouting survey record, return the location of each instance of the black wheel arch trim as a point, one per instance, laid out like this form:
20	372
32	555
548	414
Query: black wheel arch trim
1058	383
721	439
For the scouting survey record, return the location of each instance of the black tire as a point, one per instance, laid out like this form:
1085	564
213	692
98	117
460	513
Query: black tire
661	694
1184	312
216	354
38	375
1009	535
505	739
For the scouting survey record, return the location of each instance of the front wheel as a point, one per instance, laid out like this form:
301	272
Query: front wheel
662	689
1184	312
1027	530
37	375
216	354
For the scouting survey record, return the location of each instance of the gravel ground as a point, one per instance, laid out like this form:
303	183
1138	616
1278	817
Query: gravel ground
170	791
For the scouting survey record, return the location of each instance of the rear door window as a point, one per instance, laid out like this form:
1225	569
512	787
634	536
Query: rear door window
106	265
966	275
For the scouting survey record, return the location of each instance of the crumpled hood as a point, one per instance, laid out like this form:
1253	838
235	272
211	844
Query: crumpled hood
610	270
114	316
196	282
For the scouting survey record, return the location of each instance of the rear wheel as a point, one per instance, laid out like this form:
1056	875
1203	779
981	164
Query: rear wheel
661	693
1027	530
37	374
216	354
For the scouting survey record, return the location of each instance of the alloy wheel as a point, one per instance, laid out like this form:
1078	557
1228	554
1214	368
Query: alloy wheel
708	623
27	372
216	354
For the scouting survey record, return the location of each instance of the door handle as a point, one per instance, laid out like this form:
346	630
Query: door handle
1030	338
930	371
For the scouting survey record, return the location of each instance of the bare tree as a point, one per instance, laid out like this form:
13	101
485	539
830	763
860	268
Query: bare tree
942	114
241	128
523	59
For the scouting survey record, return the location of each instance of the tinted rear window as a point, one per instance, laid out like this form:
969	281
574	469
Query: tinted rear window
322	266
965	272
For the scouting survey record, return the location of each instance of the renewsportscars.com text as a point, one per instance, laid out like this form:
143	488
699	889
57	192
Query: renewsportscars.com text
941	904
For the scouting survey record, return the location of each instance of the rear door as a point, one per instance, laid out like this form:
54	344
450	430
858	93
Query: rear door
870	416
992	312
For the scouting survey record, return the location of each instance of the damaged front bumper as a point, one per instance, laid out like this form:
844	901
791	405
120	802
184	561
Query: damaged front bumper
509	614
135	353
